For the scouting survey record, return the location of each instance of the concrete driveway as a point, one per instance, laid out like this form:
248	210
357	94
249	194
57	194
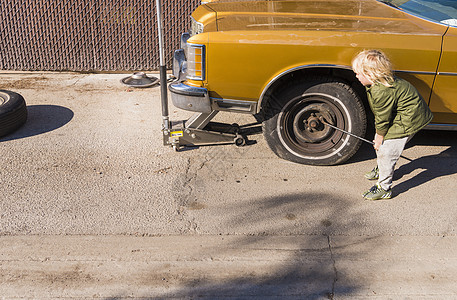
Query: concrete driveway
93	206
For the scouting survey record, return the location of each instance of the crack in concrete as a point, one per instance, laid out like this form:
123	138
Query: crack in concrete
77	80
192	180
191	177
182	189
335	271
187	185
188	179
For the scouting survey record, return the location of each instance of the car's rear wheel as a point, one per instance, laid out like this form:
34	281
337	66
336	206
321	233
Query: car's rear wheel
294	125
13	112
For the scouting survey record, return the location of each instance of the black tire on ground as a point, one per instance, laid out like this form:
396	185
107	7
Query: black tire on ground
293	126
13	112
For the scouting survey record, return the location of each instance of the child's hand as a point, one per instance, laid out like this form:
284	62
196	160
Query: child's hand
378	139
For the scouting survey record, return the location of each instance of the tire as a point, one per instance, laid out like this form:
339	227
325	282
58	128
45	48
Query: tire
13	112
293	126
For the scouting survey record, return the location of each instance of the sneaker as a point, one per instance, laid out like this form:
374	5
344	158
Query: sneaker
373	174
376	193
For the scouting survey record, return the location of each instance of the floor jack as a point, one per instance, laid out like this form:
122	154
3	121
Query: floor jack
198	130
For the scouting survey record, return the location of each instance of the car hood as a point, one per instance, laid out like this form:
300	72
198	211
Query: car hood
341	15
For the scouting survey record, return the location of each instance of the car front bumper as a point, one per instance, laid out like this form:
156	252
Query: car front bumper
189	97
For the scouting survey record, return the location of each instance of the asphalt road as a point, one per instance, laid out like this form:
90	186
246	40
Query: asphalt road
89	168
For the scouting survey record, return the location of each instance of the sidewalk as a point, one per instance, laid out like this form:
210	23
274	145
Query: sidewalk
92	205
228	267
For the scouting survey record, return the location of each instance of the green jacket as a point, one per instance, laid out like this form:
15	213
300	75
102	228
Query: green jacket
399	110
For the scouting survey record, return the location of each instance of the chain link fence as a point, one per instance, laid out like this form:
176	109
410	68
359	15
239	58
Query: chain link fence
88	35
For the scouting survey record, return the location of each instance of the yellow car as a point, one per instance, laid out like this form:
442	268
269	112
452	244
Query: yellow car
289	62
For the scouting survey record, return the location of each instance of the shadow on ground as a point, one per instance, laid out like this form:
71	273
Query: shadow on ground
422	138
310	271
434	138
305	269
430	166
41	119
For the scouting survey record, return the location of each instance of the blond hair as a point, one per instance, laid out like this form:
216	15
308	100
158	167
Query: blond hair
375	66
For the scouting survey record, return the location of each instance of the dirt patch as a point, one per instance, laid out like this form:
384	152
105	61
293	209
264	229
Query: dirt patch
291	217
25	83
196	206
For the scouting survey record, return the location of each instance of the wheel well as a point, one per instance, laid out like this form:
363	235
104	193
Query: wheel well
340	74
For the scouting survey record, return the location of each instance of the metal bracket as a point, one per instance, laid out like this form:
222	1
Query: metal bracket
200	120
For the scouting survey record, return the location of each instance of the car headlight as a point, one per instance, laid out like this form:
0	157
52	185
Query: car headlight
195	27
195	62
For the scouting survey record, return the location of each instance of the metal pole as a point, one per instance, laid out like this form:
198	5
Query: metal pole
162	68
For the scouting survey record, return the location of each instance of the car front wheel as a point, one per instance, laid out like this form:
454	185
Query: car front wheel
294	125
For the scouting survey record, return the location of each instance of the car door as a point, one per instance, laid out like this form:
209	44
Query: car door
443	102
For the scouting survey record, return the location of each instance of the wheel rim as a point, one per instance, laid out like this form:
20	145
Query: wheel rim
3	98
302	131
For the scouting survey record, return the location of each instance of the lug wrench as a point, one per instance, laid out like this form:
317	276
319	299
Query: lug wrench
351	134
344	131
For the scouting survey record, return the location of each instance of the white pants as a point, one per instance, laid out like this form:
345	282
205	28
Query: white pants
388	154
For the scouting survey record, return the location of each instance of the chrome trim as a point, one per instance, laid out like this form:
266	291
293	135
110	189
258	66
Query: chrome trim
449	127
239	106
189	97
179	65
262	95
415	72
427	73
183	42
186	90
203	47
195	27
447	74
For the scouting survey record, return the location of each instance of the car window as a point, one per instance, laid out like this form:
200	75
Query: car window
443	11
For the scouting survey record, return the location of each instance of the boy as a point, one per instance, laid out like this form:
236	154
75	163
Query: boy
399	112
